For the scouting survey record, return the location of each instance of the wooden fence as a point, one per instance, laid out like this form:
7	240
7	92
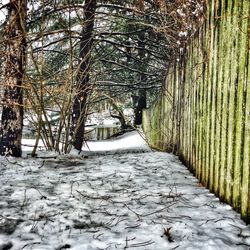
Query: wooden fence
203	114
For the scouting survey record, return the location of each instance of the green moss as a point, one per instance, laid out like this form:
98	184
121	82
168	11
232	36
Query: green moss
208	122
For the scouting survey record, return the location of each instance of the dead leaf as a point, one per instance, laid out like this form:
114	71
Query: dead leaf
167	233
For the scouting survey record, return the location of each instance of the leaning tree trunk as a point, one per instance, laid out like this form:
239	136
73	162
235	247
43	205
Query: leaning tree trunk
14	62
83	86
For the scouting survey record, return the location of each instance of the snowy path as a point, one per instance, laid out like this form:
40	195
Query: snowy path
120	201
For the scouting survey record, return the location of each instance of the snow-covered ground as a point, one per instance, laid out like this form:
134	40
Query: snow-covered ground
104	118
146	201
130	142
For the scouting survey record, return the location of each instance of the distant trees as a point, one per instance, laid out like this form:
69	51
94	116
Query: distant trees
132	54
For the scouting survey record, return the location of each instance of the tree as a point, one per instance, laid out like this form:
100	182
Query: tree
142	93
133	55
13	78
82	85
50	77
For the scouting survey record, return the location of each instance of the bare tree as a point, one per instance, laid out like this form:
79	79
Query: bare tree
13	77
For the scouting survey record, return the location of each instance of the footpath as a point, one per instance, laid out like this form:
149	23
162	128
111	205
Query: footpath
122	196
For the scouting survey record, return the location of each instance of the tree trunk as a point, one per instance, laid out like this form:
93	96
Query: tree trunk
14	62
140	105
120	116
82	86
142	94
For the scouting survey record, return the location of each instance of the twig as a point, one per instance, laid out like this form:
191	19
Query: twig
97	236
42	196
71	187
24	200
137	214
142	244
42	164
160	210
104	197
119	220
31	243
14	162
135	226
242	244
240	233
175	247
127	240
225	218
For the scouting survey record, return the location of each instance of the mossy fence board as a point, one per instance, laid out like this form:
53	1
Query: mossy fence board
203	114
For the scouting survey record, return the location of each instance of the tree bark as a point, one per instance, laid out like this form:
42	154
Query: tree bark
142	94
140	105
14	63
82	86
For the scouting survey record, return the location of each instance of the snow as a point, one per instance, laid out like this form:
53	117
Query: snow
27	145
112	199
130	142
104	118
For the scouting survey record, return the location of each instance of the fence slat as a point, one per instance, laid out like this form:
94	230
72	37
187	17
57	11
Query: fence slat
205	114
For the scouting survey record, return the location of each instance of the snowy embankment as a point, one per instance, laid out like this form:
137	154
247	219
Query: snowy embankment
120	201
130	142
